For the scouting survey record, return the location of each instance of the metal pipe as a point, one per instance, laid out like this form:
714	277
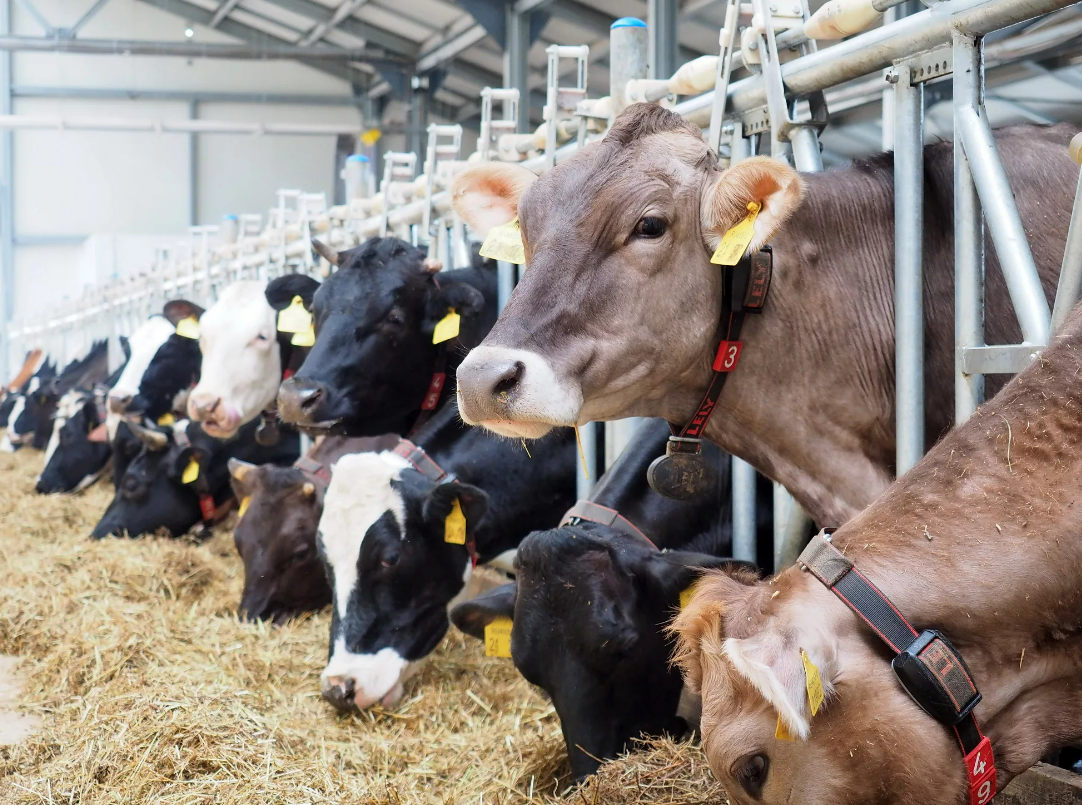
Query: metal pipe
586	470
505	283
744	510
806	154
908	267
628	58
663	59
968	232
7	202
1004	224
11	122
1070	273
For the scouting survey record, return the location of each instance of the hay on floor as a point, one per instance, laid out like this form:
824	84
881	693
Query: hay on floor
151	690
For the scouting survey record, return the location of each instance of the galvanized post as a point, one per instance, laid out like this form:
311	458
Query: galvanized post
1070	273
628	58
744	509
968	231
663	52
7	201
516	62
908	136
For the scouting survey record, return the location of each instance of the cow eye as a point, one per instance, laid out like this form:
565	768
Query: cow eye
262	338
395	317
650	227
751	773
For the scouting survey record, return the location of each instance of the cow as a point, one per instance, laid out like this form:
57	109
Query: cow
619	312
158	493
591	600
35	423
979	541
244	358
399	544
384	300
12	391
20	430
164	385
275	534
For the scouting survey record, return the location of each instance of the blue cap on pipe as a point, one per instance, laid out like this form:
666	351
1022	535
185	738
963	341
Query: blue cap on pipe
356	158
230	217
628	22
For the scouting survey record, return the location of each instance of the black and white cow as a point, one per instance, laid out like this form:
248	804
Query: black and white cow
35	422
383	539
383	300
590	603
152	494
20	429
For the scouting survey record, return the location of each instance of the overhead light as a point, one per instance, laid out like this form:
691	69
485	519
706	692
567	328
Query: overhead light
189	32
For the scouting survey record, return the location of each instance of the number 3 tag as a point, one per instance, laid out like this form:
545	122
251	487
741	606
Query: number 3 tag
728	355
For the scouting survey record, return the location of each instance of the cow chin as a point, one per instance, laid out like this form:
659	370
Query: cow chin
516	430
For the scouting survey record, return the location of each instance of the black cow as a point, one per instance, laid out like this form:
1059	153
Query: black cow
20	431
152	494
590	603
381	301
397	543
172	371
41	404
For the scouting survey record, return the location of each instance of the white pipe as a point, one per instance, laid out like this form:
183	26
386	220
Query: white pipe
31	122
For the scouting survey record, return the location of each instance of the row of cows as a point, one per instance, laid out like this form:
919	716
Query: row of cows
619	314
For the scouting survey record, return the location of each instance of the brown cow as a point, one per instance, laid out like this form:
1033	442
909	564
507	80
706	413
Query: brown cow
619	310
276	534
979	541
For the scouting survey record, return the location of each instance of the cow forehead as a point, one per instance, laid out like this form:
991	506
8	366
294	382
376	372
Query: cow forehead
70	404
241	308
360	492
144	343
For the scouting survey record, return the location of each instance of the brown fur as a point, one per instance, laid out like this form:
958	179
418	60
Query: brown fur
980	541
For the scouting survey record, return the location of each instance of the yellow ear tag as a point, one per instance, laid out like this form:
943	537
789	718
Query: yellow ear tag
781	732
504	242
736	241
815	683
447	327
686	595
191	472
188	328
498	637
371	137
305	339
243	506
454	527
295	318
167	419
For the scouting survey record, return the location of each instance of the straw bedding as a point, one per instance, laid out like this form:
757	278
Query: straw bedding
151	690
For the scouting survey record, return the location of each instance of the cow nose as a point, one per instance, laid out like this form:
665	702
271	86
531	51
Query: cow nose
118	403
202	407
299	400
339	691
496	380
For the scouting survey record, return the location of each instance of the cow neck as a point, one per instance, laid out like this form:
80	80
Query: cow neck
209	512
316	464
588	511
290	359
436	383
929	668
682	473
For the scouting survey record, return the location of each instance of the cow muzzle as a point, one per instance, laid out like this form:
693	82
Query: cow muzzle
343	694
301	402
516	393
218	419
118	404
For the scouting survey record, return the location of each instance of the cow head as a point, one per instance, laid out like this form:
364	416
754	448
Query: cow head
589	606
144	344
392	573
620	296
276	539
373	359
171	373
242	364
740	644
75	455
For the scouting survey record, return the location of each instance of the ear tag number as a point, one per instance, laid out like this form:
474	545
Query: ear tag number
188	328
498	637
305	339
243	506
167	419
454	527
295	318
686	596
504	242
781	732
736	241
447	327
191	472
814	683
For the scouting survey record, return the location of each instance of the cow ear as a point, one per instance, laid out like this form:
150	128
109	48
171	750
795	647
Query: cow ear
773	184
180	309
243	477
441	500
487	195
461	297
125	346
471	617
672	572
281	290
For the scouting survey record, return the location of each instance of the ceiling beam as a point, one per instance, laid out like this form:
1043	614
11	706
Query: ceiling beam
321	29
224	10
399	45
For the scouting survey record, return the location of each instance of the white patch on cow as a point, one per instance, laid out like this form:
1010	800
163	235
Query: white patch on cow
68	407
144	344
360	493
377	677
11	438
242	367
541	400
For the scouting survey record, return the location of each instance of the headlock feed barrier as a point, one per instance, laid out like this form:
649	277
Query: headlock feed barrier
780	109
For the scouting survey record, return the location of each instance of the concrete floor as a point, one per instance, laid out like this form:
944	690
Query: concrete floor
14	726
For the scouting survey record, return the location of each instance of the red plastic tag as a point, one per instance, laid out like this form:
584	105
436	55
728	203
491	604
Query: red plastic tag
728	355
206	506
981	771
434	389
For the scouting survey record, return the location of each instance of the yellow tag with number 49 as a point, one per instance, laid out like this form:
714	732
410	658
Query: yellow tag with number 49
736	241
504	243
498	637
454	527
447	327
191	472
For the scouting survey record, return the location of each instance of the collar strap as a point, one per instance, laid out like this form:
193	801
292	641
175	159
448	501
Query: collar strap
319	474
929	668
596	513
435	389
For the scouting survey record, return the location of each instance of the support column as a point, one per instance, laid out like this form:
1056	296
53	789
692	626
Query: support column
193	168
418	116
664	48
516	63
908	136
7	201
968	231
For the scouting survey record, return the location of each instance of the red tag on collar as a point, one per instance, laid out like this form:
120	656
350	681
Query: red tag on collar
981	773
288	373
728	355
206	506
432	397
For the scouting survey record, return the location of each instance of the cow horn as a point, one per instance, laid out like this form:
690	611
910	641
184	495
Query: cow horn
152	439
329	254
239	469
431	265
308	489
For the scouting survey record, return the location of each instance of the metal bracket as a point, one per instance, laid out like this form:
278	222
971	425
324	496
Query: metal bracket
998	360
561	102
399	171
926	66
441	163
492	128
